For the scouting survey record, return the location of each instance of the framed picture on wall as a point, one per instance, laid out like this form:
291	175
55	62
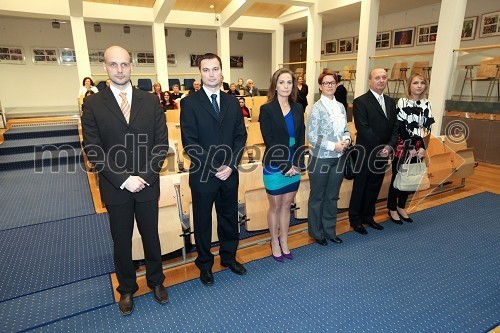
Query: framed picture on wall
96	57
236	61
427	34
490	25
12	55
144	58
68	56
195	58
345	45
356	43
403	37
45	56
469	28
171	60
331	47
383	40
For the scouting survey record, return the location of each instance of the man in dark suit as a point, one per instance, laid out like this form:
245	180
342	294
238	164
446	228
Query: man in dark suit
375	117
125	137
214	136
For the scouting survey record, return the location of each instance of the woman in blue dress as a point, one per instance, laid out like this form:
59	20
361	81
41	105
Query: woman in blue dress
282	126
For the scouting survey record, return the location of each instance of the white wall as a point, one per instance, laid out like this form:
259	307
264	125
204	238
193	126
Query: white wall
57	85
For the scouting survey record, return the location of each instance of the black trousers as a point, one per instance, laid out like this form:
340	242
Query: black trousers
121	219
396	198
226	206
366	188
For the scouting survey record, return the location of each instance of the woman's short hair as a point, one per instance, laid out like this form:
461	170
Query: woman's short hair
325	73
408	84
85	79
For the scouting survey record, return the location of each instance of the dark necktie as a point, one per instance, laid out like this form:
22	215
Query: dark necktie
215	105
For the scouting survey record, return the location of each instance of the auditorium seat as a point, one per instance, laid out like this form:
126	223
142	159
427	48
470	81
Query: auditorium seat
252	195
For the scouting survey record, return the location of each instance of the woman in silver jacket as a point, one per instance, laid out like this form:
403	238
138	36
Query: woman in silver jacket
329	137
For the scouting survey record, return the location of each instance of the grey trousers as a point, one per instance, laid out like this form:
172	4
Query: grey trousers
325	178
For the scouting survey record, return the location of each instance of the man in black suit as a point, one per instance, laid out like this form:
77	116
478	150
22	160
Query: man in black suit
125	137
375	117
214	136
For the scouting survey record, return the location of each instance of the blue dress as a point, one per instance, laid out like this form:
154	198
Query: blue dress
275	182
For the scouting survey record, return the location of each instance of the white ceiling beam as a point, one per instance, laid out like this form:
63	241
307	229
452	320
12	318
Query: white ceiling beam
161	9
324	6
302	3
233	11
56	9
255	24
107	13
293	14
75	8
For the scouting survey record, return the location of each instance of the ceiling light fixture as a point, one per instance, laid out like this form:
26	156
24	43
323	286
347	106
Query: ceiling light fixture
126	29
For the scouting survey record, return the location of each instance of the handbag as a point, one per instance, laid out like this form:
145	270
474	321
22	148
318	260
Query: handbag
412	177
351	155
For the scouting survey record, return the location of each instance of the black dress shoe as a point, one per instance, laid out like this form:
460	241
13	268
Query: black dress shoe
374	225
360	229
394	220
160	294
236	268
406	219
336	240
322	242
207	278
126	304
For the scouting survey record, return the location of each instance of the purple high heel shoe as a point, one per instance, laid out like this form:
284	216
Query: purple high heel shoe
280	258
289	256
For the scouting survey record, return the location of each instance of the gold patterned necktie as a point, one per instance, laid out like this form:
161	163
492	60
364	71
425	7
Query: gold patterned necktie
125	106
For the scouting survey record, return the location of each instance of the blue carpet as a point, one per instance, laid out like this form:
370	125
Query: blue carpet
47	306
52	254
37	160
439	274
40	132
28	197
22	146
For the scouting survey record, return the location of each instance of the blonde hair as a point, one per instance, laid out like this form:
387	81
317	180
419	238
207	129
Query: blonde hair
408	85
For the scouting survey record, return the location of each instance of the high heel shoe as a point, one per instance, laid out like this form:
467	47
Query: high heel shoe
393	219
406	219
280	258
286	255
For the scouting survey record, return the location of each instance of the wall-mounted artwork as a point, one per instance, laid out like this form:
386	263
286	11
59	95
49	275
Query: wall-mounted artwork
45	56
68	56
356	43
331	47
403	37
96	57
490	25
195	58
236	61
12	55
427	34
144	58
171	60
469	28
345	45
383	40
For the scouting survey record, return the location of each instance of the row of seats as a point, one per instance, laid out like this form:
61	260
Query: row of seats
147	85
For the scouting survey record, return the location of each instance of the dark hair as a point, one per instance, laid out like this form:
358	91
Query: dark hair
241	98
271	93
170	100
325	73
209	56
89	92
85	79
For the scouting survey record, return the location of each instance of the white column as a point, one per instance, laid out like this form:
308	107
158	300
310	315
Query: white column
81	48
367	34
224	51
277	41
314	30
451	17
160	50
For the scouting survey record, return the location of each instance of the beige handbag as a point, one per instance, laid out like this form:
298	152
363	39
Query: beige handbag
412	177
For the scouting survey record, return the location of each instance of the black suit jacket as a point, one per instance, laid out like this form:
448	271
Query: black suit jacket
276	138
374	129
212	141
119	150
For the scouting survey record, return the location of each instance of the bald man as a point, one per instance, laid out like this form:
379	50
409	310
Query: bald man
125	137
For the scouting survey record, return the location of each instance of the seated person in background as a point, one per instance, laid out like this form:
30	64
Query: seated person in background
89	92
176	94
232	90
241	84
250	89
341	93
169	103
87	84
196	87
224	85
158	92
244	109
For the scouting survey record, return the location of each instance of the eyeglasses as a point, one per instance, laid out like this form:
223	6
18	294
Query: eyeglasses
329	84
